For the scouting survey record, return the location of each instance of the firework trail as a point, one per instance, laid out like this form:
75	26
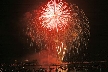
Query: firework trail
57	27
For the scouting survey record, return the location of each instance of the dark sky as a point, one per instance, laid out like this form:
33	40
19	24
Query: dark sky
12	46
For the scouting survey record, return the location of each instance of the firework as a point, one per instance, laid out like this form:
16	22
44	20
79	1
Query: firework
55	15
58	27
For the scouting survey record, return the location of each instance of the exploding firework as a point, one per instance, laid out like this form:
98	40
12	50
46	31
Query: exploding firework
57	27
55	15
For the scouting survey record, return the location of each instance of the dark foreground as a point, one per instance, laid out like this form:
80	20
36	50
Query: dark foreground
72	67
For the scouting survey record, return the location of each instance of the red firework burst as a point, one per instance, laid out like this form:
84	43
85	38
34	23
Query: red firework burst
58	28
55	15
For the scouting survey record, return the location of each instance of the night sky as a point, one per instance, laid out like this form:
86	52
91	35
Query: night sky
13	44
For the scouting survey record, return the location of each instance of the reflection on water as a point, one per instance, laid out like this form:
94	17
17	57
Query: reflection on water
71	67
